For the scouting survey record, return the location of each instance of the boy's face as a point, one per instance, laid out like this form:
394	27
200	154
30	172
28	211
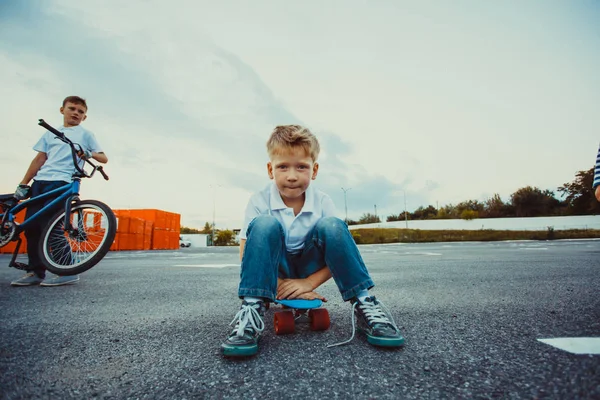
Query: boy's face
74	114
292	171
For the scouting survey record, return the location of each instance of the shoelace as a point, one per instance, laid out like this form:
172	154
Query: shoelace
248	314
375	313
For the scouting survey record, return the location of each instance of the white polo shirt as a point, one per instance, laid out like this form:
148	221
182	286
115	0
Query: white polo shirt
268	201
59	165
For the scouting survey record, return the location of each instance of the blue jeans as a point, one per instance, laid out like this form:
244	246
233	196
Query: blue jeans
34	231
329	244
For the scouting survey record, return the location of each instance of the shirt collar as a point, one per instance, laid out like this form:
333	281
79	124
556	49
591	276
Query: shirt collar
278	204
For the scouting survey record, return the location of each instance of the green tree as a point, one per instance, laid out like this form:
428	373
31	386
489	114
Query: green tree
494	207
399	217
580	197
225	238
448	211
207	228
369	218
469	214
424	213
533	202
469	205
442	214
185	229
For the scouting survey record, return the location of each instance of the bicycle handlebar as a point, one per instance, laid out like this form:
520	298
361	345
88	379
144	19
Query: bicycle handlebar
74	151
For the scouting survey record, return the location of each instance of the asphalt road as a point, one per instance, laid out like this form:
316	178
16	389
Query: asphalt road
148	325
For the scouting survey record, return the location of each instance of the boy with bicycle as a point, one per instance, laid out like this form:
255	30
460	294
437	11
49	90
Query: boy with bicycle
50	169
291	243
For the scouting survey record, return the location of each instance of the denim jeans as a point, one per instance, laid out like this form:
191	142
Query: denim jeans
329	244
34	231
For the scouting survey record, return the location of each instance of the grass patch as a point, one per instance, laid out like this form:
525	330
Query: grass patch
396	235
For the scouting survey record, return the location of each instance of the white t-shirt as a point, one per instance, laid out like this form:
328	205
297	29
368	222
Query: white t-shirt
268	201
59	165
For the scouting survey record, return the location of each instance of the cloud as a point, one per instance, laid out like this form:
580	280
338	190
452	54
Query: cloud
438	103
174	113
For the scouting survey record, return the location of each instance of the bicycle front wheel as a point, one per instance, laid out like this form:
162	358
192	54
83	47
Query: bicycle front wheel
73	251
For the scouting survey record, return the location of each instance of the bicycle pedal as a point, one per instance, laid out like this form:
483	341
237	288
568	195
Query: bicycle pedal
19	265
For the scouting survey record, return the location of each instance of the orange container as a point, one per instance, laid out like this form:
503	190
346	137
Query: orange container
115	244
147	241
123	224
173	240
136	225
126	241
148	227
10	248
175	223
158	217
159	240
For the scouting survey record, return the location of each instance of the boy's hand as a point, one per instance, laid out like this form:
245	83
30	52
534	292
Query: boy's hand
312	296
85	154
22	192
293	288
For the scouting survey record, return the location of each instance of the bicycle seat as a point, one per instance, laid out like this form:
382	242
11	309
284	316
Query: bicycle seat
4	197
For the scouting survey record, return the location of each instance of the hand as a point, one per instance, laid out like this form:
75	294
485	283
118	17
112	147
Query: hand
85	154
312	296
22	192
293	288
597	193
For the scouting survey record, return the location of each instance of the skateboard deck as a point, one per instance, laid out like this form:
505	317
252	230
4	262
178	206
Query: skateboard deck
300	304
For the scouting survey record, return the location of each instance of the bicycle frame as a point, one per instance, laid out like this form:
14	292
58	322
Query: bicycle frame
66	193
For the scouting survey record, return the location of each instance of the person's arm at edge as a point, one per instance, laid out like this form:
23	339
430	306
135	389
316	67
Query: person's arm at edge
596	182
242	245
100	157
34	167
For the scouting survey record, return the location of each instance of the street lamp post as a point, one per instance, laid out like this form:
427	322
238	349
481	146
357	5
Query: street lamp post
214	188
346	203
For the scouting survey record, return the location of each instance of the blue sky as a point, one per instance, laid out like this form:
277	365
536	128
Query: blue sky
444	101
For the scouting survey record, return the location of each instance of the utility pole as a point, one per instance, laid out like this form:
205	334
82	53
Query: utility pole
346	203
214	188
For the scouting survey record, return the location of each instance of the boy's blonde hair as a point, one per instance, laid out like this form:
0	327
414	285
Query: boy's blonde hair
75	100
289	137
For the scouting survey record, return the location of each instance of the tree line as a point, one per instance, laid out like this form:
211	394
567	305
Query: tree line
223	237
528	201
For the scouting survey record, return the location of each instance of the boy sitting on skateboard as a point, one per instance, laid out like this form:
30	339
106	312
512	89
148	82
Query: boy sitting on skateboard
291	243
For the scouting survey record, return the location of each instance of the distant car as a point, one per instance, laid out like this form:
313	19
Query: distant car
184	243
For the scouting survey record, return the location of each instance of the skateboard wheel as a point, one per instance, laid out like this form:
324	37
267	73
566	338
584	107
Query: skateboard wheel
284	322
319	319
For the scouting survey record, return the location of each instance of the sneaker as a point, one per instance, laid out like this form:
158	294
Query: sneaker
249	325
376	322
57	280
30	279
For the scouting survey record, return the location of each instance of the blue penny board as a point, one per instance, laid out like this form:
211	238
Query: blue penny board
301	304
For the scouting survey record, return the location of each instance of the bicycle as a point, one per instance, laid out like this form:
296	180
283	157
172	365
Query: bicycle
77	236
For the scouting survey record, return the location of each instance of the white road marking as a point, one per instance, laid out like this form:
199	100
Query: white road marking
206	265
575	345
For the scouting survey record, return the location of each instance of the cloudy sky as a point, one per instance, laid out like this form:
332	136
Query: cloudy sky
443	101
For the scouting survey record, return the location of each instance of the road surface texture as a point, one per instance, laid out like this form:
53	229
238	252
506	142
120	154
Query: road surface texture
148	325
